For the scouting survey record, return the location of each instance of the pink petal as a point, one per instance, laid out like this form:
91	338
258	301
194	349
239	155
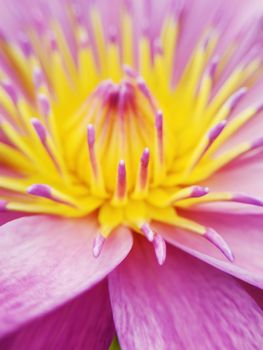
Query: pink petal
9	216
184	304
83	323
243	234
256	293
45	261
245	176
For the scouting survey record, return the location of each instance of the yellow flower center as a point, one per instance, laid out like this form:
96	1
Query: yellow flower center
109	132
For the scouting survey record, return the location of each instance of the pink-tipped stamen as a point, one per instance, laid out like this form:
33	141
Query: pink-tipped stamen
53	42
11	91
45	191
3	205
159	248
40	130
40	190
159	132
157	48
246	199
254	146
42	134
211	136
258	143
121	180
234	100
146	92
44	105
213	67
123	95
215	131
112	34
189	193
199	191
259	108
92	155
217	240
38	78
144	168
130	72
25	45
98	245
148	232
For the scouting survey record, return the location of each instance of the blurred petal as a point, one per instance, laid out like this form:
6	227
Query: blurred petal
83	323
244	235
9	216
256	293
45	261
183	303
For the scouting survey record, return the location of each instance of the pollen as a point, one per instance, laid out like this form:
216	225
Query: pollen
109	129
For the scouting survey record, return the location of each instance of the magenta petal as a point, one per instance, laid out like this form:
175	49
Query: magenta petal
243	234
256	293
45	261
83	323
184	304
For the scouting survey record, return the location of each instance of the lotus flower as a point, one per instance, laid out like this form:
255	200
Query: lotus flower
131	175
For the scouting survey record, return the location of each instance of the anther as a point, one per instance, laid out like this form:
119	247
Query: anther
44	105
213	67
40	190
10	90
113	34
189	193
3	205
45	191
159	130
144	164
131	73
157	47
199	191
42	134
206	144
38	78
216	239
146	92
25	45
148	232
91	143
259	108
53	42
258	143
246	199
234	100
159	248
40	130
98	245
215	131
97	183
121	180
123	97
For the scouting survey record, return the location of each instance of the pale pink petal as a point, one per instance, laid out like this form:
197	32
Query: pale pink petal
45	261
184	304
83	323
244	176
243	234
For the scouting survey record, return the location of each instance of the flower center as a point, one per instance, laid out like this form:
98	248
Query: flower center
114	131
124	129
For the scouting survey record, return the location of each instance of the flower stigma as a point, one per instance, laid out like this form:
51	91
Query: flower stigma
110	131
